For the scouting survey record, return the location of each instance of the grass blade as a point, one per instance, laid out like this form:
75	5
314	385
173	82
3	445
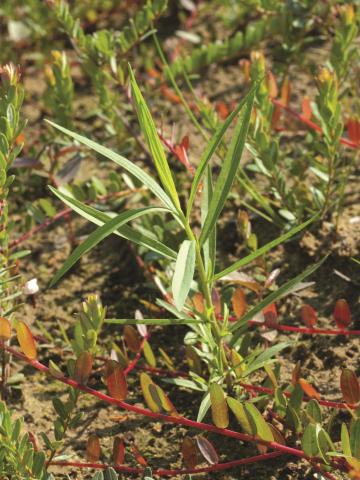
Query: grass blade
210	150
98	235
229	168
261	251
99	218
130	167
152	138
272	297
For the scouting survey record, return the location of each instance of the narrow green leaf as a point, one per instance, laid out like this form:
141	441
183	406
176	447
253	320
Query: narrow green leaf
100	218
345	440
152	138
272	297
261	251
209	247
98	235
184	272
130	167
210	150
229	168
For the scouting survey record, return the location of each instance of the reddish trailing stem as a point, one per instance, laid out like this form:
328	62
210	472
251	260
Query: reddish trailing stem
166	472
134	362
307	331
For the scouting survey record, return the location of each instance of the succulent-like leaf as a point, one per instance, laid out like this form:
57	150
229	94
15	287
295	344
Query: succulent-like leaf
207	450
83	367
350	387
219	408
342	314
5	329
309	389
115	380
26	340
189	452
93	449
239	303
132	338
308	315
118	453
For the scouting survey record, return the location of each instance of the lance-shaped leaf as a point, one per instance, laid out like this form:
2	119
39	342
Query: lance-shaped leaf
130	167
118	453
138	457
228	170
115	380
350	387
189	452
355	438
132	338
184	272
151	398
26	340
262	250
207	450
219	408
211	148
99	218
93	449
152	138
345	440
5	329
83	367
272	297
98	235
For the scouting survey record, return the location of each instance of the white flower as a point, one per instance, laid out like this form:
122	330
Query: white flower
31	287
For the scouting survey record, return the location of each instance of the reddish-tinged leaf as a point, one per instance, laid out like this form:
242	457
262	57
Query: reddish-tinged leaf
295	375
138	457
239	303
350	387
115	380
170	95
270	315
153	403
308	315
132	338
207	450
118	454
5	329
93	449
353	127
219	408
26	340
237	362
222	110
309	389
285	91
278	437
189	452
83	367
198	302
216	300
342	315
271	85
276	116
306	108
245	65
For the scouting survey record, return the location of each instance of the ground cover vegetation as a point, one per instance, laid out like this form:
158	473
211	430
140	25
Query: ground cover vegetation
179	239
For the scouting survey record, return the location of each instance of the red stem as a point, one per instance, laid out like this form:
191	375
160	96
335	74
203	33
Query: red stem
159	416
134	362
165	472
309	123
307	331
